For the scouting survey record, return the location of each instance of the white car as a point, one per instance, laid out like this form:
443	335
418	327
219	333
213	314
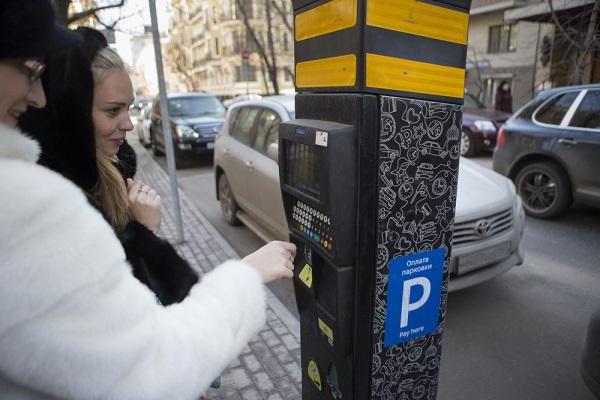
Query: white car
489	219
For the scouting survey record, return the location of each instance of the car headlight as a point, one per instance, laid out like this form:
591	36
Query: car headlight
186	132
485	125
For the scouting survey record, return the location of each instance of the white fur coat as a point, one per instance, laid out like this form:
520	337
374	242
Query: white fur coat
75	323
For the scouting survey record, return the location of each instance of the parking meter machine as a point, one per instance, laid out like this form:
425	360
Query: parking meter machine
318	177
369	174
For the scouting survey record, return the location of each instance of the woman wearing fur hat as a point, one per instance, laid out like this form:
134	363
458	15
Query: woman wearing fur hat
82	133
74	322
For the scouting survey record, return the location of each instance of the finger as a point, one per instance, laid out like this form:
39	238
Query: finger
152	193
291	247
155	203
289	265
288	274
129	183
135	187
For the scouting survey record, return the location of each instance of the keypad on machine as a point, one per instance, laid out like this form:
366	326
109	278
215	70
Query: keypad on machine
314	224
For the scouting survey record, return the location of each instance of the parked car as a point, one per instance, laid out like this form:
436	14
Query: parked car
479	127
489	216
241	97
196	118
142	126
590	356
551	149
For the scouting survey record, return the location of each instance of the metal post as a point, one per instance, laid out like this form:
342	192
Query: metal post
166	121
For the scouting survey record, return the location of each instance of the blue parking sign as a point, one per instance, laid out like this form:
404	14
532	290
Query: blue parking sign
414	295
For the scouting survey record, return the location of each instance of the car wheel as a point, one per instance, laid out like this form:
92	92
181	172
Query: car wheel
467	144
545	190
229	206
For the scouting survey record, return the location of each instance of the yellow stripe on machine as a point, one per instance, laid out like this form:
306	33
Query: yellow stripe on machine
418	18
414	76
327	72
332	16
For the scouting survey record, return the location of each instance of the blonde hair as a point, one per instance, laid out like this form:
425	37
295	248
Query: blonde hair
110	192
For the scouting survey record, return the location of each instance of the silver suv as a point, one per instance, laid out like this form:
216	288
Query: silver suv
489	215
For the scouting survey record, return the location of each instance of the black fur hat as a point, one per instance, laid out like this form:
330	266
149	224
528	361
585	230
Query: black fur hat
27	29
64	128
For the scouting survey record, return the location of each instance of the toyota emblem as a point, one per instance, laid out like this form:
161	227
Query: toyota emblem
483	227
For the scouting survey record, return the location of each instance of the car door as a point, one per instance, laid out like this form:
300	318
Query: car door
266	193
237	153
579	144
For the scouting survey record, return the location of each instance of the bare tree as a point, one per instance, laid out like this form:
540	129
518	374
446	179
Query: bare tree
61	9
177	58
266	51
285	16
474	59
579	35
178	62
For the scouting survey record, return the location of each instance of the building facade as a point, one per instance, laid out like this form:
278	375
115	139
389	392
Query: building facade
213	42
501	50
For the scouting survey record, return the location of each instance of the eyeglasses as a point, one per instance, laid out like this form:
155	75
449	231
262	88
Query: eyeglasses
34	69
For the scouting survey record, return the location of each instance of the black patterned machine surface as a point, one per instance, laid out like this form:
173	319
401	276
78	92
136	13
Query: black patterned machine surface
368	173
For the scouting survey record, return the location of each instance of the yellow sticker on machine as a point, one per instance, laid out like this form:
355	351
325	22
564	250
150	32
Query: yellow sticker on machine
419	18
327	331
413	76
339	71
332	16
314	375
306	275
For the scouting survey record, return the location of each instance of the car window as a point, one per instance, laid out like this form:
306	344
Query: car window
554	111
195	106
267	130
243	129
232	119
588	113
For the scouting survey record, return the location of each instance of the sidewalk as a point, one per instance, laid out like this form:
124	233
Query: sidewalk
269	367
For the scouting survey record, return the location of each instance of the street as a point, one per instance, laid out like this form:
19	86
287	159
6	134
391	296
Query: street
518	336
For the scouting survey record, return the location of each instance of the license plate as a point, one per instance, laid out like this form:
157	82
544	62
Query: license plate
210	146
471	262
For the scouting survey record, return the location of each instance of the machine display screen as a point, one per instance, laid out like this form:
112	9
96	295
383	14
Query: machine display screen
303	168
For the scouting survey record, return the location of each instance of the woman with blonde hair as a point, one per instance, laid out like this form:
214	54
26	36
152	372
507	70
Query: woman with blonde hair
74	322
82	132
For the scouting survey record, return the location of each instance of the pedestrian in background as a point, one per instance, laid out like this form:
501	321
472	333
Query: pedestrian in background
503	100
74	322
82	134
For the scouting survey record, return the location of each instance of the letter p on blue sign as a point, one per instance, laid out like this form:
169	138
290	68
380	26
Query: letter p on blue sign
414	296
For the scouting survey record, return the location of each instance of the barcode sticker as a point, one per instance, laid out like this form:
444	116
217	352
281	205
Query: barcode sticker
321	138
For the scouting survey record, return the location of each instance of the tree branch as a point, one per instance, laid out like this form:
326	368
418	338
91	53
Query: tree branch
283	16
87	13
560	26
245	20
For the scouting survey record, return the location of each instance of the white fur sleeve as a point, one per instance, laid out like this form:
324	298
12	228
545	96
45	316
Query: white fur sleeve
75	323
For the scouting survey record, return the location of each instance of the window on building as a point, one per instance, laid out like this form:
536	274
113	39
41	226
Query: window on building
554	111
286	42
588	113
245	73
217	46
248	9
502	38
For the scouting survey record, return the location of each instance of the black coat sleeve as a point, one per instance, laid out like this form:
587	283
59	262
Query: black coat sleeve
156	264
